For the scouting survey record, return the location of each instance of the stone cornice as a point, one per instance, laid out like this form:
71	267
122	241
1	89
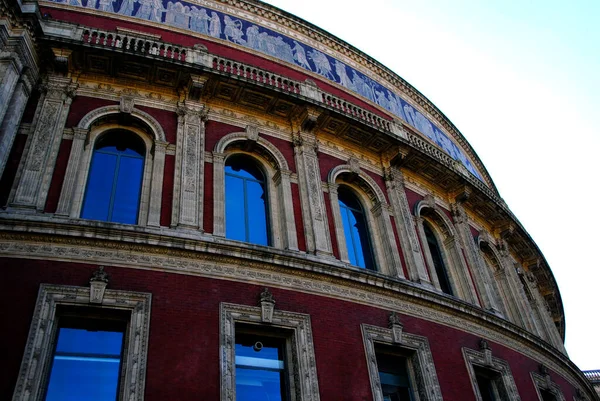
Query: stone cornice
197	254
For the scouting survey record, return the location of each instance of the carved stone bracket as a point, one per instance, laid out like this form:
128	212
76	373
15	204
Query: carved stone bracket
267	306
396	325
98	284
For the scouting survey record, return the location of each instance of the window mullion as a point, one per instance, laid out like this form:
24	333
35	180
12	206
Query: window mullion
114	188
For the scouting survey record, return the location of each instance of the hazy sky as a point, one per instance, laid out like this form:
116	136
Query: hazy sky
521	81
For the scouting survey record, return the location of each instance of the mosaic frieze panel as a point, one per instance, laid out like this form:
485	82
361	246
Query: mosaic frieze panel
219	25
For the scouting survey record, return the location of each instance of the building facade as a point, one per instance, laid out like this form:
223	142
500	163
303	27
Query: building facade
216	200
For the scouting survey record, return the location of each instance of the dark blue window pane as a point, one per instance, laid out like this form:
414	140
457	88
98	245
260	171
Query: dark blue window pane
257	229
235	208
355	230
259	375
245	202
85	366
438	261
115	179
127	191
100	186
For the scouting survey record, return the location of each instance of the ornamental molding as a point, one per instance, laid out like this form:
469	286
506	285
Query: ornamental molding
297	273
270	18
275	155
115	91
305	385
39	348
368	184
500	367
157	130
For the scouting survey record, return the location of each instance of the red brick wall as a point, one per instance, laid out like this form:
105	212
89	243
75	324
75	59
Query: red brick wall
167	188
298	217
81	106
215	131
183	359
413	198
166	119
208	198
58	176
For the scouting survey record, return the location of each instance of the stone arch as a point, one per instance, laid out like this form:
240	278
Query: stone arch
428	208
364	182
265	148
96	114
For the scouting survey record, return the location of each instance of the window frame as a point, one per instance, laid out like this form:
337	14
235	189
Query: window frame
367	234
268	193
301	356
543	382
498	369
94	151
419	361
34	373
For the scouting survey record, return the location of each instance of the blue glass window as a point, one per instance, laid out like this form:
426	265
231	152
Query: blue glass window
355	230
393	376
438	261
87	360
260	371
115	180
245	201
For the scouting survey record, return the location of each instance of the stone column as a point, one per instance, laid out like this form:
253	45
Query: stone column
218	194
188	190
286	206
10	71
156	185
314	217
67	191
405	227
12	119
481	273
32	190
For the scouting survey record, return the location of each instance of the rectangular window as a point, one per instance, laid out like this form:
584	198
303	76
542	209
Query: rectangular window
92	353
486	382
88	355
266	358
260	366
394	375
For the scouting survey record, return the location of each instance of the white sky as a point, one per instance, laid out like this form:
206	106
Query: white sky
521	81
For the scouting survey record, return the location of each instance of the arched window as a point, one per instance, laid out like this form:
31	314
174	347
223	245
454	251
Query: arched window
356	231
115	179
245	201
438	261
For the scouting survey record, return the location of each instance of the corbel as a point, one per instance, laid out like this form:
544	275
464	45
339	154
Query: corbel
267	306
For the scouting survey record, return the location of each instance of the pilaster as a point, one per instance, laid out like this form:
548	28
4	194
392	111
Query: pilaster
32	190
481	273
314	218
286	205
188	193
405	227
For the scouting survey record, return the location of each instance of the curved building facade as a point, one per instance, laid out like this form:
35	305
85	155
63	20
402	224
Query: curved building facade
216	200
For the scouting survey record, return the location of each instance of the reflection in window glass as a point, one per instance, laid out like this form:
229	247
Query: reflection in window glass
438	262
115	179
245	201
355	230
86	362
259	368
394	377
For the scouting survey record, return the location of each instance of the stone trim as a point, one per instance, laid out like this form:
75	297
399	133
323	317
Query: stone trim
305	386
421	366
76	175
385	251
484	359
105	244
38	350
544	382
446	235
278	178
